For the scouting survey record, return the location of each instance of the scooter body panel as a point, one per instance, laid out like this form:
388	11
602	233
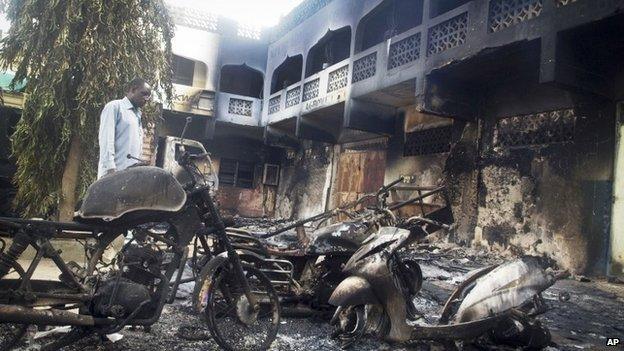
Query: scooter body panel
506	287
353	291
491	300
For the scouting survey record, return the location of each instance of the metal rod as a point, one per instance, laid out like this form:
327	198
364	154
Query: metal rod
297	224
387	187
179	275
422	203
16	222
61	296
19	314
415	199
31	269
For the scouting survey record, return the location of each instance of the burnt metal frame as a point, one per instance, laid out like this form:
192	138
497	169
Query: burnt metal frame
200	195
40	233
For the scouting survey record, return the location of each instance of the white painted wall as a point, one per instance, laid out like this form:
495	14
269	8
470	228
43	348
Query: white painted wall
202	46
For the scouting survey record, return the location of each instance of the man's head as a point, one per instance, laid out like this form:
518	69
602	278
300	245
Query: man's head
138	92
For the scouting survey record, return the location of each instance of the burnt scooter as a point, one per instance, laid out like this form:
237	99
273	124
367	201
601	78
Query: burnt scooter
305	268
242	310
377	298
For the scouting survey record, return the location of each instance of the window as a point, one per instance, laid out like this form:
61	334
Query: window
428	141
236	173
539	129
183	69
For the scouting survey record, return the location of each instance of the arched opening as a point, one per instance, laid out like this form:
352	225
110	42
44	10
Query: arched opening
332	48
441	6
387	20
241	80
287	73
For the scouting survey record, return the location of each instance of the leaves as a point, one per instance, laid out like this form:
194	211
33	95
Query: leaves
76	55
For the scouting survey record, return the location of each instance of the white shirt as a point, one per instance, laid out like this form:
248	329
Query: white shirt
121	133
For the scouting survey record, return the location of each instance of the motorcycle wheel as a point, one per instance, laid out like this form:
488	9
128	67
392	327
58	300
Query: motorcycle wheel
234	325
12	333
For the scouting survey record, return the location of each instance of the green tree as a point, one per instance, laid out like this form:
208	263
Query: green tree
76	55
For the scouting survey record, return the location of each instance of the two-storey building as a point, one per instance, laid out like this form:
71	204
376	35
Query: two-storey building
515	105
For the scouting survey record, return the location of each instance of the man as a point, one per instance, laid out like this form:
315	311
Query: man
121	130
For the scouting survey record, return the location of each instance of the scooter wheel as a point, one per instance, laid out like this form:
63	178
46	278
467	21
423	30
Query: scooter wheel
528	334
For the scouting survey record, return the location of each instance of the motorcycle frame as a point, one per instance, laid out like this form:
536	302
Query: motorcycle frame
40	232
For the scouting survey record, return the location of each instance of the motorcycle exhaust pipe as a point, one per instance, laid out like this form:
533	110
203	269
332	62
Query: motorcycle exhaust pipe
19	314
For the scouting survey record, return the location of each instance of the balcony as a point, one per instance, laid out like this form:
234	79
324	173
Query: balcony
187	99
395	72
238	109
320	90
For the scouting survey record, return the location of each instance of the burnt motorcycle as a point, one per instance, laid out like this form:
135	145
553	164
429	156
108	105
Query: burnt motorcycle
305	267
377	298
242	309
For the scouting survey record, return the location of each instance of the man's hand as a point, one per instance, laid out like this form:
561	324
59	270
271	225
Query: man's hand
110	171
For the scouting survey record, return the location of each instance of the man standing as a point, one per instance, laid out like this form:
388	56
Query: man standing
121	130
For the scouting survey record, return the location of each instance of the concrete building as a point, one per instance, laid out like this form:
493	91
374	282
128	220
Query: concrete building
515	105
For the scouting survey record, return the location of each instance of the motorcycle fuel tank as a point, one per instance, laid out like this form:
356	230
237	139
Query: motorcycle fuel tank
147	189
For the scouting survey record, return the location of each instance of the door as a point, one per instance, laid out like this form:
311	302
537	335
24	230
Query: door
359	173
616	264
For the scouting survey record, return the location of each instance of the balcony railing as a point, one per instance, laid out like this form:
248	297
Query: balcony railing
311	89
322	89
404	51
409	55
239	109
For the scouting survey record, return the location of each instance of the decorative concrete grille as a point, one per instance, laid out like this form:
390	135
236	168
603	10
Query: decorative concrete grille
564	2
248	31
311	90
428	141
337	79
292	96
240	107
364	67
404	51
536	129
506	13
448	34
194	18
274	104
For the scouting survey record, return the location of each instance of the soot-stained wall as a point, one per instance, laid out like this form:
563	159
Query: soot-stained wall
424	170
305	178
540	195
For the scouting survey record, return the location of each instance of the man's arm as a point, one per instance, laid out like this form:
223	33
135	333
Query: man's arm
107	138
